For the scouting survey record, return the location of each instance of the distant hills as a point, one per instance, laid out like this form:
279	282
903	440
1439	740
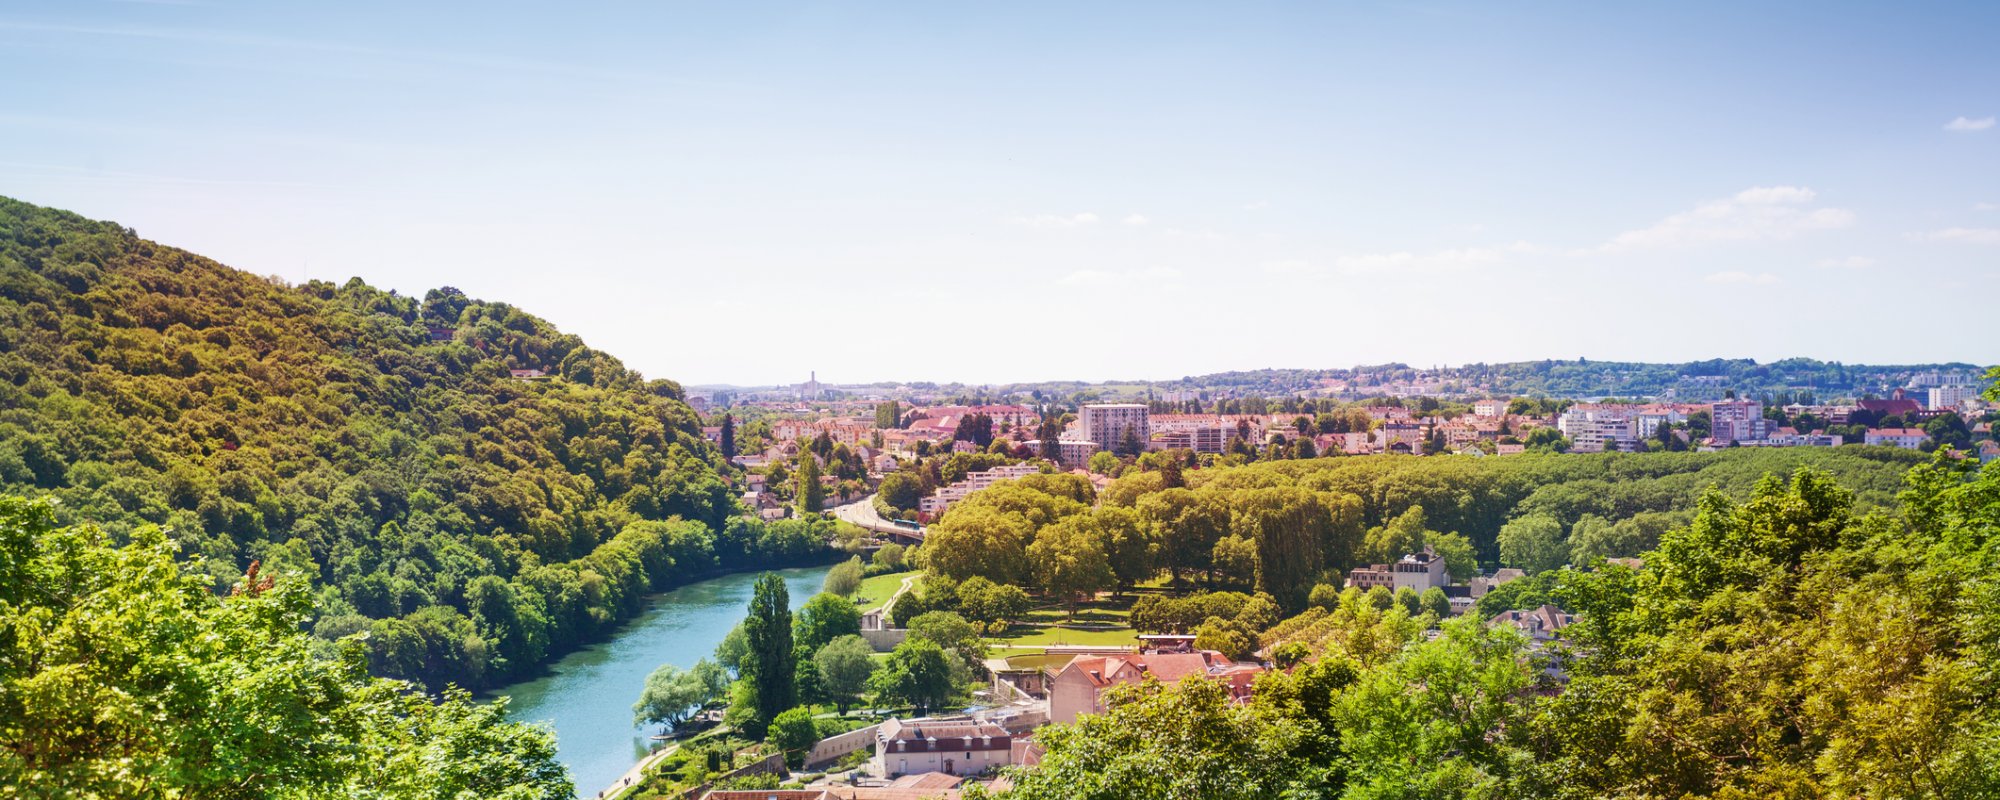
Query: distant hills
1579	378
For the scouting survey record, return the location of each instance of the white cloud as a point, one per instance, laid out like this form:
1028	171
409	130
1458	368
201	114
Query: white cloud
1057	220
1986	206
1135	220
1260	205
1289	266
1756	214
1968	125
1738	276
1202	235
1455	259
1850	262
1961	236
1161	277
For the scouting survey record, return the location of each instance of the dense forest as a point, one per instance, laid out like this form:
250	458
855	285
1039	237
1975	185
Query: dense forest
1283	527
124	674
1790	642
472	520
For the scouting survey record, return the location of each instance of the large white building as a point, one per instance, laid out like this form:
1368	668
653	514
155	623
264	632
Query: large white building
1947	397
945	496
953	747
1738	421
1110	424
1593	428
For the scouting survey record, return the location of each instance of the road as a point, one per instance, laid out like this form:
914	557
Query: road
862	513
637	771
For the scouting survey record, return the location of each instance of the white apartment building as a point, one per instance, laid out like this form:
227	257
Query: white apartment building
1108	424
1593	428
1738	421
1650	418
1941	397
945	496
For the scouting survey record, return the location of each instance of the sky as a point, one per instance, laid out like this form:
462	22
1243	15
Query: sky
747	192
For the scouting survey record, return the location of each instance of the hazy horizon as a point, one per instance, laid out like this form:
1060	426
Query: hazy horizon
744	194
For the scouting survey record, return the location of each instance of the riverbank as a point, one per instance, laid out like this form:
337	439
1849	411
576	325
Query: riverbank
587	695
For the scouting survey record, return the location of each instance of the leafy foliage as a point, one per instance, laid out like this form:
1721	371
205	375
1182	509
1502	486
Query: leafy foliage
123	675
471	522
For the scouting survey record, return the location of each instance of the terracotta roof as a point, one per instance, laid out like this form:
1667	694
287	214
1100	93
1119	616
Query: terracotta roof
1167	667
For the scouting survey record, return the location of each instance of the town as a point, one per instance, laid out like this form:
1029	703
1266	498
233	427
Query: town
900	464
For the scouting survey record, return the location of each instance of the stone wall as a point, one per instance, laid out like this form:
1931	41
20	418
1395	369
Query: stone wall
832	748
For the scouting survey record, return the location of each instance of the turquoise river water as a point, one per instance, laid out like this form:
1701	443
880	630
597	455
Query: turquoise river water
588	695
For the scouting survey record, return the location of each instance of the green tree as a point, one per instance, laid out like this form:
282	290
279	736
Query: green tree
890	557
734	650
845	664
672	695
917	673
1547	440
824	618
810	493
1070	563
1535	543
1232	639
767	662
728	436
794	733
1434	602
1190	741
845	578
125	676
951	632
1104	462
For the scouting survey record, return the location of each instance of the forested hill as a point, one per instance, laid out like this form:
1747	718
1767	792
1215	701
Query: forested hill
475	521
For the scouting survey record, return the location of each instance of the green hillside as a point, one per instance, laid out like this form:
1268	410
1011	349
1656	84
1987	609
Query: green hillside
473	521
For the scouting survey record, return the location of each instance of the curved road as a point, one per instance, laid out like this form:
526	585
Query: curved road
862	513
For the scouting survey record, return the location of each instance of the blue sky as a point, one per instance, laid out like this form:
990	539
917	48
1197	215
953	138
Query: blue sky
742	192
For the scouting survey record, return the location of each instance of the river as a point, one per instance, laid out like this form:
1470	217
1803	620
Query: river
588	695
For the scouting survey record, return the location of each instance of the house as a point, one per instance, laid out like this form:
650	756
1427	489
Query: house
950	746
1483	584
1540	624
1420	571
1906	438
527	374
1371	576
1078	688
1414	571
1492	407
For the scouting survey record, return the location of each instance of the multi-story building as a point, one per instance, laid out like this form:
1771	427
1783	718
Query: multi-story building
1111	424
1649	418
1420	571
1906	438
953	747
1594	428
1202	433
1949	397
1489	408
1738	421
945	496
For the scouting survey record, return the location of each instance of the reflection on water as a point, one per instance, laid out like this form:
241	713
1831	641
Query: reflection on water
588	695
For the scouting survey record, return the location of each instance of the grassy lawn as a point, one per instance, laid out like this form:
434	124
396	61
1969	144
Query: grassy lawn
877	590
1098	623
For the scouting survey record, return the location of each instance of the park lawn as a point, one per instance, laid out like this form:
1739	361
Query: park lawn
876	591
1098	623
